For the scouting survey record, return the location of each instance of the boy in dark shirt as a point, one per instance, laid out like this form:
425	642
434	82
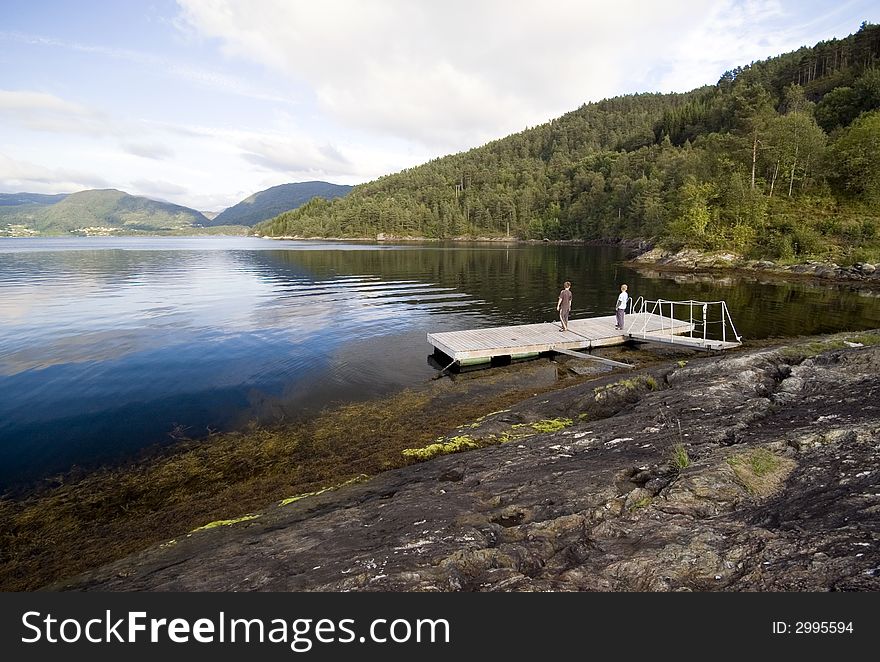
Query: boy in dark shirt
564	305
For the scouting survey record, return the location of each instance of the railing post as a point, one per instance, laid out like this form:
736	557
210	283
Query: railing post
723	323
691	333
705	311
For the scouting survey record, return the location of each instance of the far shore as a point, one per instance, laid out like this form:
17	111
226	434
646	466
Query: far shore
643	256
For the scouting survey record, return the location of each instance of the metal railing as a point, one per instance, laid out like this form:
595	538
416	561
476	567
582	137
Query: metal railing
700	322
635	303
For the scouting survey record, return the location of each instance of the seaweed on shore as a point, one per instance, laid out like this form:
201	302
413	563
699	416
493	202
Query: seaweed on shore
83	521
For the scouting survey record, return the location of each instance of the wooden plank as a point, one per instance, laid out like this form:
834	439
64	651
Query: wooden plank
578	355
685	341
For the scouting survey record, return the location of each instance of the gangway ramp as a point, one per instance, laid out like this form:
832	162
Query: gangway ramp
711	326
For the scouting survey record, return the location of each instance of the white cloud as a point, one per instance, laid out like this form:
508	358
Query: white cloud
156	151
291	152
151	188
277	153
39	111
729	35
451	74
16	175
206	78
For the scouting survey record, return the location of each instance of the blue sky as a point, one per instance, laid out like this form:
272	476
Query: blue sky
203	102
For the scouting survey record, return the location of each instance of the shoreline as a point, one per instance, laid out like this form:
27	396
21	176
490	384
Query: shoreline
610	484
232	481
642	255
391	239
689	261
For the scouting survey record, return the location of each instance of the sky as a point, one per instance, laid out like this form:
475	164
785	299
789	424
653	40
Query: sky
204	102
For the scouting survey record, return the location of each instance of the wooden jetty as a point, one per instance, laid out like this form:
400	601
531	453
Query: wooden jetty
529	340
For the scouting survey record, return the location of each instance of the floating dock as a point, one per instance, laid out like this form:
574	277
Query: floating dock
529	340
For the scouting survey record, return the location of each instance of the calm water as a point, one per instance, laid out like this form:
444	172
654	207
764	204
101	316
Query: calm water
108	345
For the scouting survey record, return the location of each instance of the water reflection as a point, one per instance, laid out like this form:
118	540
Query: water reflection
110	344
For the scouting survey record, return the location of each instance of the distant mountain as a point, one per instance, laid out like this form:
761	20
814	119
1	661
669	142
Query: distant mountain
273	201
210	215
15	199
105	211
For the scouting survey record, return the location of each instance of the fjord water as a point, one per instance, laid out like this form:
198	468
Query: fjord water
109	345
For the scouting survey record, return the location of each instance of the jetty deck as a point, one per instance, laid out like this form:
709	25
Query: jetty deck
481	345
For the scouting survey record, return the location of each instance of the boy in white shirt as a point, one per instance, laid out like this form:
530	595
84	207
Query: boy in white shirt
620	308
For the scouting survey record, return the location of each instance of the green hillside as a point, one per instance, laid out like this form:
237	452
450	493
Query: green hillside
779	159
99	212
273	201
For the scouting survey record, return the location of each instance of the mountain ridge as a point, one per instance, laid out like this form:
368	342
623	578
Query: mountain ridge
24	198
272	201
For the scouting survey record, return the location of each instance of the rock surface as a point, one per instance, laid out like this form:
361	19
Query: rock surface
690	259
781	492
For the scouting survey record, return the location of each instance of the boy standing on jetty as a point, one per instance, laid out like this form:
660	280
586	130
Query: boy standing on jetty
564	305
620	307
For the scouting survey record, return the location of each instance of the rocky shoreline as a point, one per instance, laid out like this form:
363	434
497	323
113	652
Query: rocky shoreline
754	470
862	273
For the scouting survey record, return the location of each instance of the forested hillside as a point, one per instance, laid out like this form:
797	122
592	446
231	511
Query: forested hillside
779	159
